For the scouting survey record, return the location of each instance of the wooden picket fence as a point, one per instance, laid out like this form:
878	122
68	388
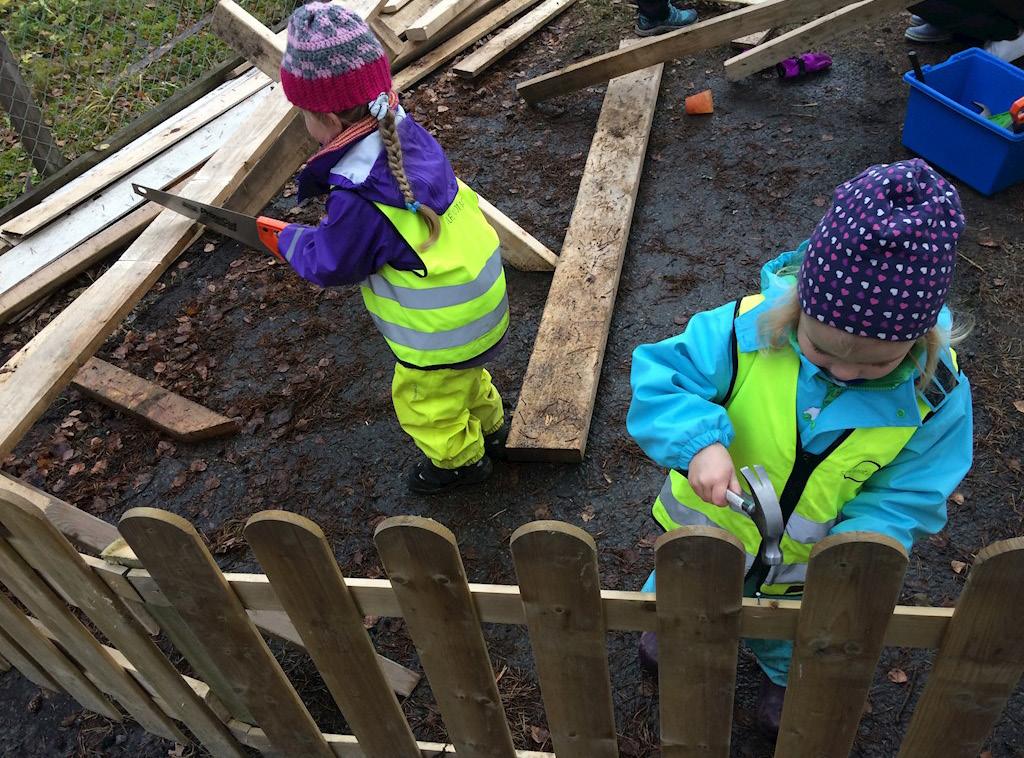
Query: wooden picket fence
848	614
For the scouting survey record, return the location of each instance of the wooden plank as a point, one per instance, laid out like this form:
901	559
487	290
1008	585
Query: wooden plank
80	258
25	116
853	583
138	152
50	554
552	418
519	248
980	662
752	40
82	528
38	372
408	15
49	244
393	6
301	567
810	36
5	665
401	680
426	64
234	25
910	626
700	593
718	30
57	672
431	23
115	577
171	414
422	559
556	565
42	602
12	655
190	579
508	39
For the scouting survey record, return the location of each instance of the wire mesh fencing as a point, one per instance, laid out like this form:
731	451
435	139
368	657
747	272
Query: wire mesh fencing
74	72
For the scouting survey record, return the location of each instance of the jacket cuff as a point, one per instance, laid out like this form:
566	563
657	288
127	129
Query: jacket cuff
694	445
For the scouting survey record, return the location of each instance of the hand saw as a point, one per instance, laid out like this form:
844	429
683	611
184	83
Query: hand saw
258	233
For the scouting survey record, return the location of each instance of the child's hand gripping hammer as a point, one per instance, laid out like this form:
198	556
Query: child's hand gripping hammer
762	505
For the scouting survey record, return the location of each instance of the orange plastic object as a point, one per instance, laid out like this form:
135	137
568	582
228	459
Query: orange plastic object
268	229
1017	115
700	103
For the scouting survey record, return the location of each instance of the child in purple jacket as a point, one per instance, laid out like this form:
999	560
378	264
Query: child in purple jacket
402	226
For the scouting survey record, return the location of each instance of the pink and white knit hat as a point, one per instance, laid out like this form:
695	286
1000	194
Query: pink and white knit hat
333	61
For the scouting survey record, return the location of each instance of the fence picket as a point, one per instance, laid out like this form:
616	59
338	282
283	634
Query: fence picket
557	568
12	654
700	594
302	570
175	555
50	553
423	562
78	642
980	660
62	673
853	583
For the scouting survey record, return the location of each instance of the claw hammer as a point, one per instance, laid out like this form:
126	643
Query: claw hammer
762	505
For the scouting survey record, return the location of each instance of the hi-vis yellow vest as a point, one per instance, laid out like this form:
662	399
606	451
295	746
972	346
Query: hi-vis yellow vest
457	310
812	488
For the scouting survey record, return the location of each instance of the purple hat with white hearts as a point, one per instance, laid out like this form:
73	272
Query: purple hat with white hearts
880	262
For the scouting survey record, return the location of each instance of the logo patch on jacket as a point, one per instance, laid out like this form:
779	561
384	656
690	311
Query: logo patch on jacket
862	471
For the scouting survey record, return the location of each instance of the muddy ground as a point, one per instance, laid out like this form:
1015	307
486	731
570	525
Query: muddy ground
719	196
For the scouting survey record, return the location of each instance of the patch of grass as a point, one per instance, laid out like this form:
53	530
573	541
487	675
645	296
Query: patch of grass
95	65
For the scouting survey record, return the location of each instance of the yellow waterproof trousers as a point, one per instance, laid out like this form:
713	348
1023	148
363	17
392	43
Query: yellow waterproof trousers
447	412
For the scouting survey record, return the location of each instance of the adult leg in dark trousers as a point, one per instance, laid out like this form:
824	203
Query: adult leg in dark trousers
985	20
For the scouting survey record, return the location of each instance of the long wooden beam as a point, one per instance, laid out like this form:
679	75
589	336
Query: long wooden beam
809	36
552	418
719	30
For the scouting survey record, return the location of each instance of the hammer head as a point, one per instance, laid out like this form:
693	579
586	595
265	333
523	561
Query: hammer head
766	513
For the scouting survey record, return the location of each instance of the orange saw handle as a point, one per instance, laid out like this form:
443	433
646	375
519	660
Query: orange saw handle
268	229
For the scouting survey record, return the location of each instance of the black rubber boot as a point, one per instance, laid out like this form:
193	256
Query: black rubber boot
769	707
494	444
428	479
649	653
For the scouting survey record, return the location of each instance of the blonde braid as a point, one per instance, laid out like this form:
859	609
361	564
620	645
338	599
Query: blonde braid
389	133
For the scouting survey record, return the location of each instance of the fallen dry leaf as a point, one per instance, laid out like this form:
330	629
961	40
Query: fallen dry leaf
821	201
539	734
897	676
1019	405
198	465
370	621
957	497
587	514
76	469
988	242
958	566
209	247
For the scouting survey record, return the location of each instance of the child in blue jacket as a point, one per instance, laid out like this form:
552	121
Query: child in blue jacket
400	224
838	378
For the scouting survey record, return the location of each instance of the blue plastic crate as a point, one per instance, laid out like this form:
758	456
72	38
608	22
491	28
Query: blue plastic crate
943	127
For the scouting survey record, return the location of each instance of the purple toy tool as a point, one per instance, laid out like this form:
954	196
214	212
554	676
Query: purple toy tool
808	63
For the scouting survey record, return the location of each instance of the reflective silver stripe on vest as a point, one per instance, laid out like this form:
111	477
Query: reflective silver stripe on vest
805	531
291	247
439	297
788	573
452	338
686	516
680	513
